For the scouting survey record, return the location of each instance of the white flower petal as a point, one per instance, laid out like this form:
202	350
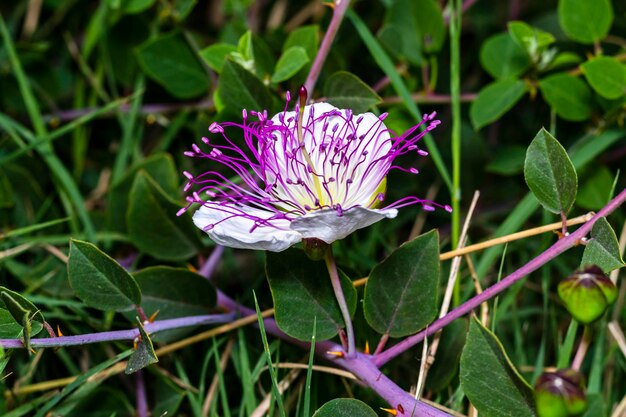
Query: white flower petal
235	231
328	226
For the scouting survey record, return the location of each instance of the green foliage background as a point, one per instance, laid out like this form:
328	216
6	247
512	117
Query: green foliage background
99	100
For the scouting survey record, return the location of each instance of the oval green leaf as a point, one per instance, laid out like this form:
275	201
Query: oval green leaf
494	100
152	224
585	21
490	380
216	54
603	249
345	407
606	75
239	89
550	174
170	61
569	96
401	292
303	294
289	63
99	281
502	57
347	91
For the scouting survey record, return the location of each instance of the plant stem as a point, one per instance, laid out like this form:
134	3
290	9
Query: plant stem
552	252
339	10
130	334
585	341
341	299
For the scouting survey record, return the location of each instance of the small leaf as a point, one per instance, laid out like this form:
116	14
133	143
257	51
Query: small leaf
494	100
23	312
401	292
152	224
346	91
345	407
606	75
216	54
170	61
533	40
585	21
289	63
9	328
306	37
569	96
144	355
550	174
490	380
303	294
174	292
239	89
99	281
502	57
136	6
602	249
430	25
159	167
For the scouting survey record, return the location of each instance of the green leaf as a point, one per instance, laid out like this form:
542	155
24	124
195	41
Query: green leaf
431	27
153	225
401	292
174	292
216	54
289	63
569	96
307	37
99	281
606	75
9	328
345	407
534	41
595	192
346	91
585	21
490	380
25	313
502	57
136	6
303	294
239	89
143	355
602	249
170	61
160	167
6	191
448	355
550	174
494	100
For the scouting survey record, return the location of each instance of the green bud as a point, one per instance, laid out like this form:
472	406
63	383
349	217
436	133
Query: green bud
587	294
560	394
315	249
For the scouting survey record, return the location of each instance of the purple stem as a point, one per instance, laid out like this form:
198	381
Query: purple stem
552	252
130	334
142	399
341	6
209	266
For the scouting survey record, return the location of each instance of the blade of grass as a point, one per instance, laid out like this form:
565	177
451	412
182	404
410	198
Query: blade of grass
268	356
306	412
245	375
385	63
32	228
80	380
220	379
566	348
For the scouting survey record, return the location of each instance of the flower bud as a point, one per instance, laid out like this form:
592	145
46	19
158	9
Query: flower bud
560	394
315	249
587	294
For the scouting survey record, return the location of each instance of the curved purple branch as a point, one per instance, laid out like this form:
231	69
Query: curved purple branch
552	252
